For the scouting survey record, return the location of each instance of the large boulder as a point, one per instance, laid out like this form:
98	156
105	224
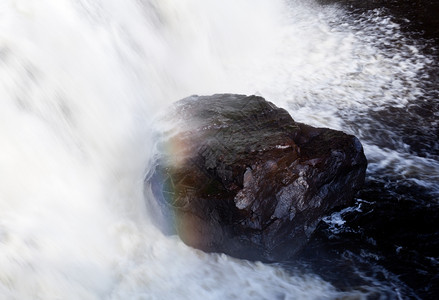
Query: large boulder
245	179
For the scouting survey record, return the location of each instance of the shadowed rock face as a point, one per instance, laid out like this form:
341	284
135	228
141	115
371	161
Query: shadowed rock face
246	180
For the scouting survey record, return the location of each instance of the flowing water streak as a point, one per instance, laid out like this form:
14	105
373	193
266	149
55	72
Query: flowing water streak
80	83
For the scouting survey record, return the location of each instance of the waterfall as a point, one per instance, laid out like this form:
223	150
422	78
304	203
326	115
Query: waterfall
80	84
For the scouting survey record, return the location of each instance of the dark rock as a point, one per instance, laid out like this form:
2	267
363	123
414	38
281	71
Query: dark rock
245	179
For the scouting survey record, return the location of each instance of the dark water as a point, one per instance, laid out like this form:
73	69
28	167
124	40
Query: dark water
417	17
388	244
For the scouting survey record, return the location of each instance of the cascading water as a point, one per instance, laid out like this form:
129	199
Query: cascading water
81	82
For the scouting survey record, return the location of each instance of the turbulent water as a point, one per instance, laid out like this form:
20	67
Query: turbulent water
81	82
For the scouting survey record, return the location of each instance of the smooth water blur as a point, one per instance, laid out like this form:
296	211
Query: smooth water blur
80	84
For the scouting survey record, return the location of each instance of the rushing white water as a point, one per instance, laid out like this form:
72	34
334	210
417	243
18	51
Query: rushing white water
80	82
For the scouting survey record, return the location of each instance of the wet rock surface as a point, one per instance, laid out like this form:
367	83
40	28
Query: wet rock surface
247	180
